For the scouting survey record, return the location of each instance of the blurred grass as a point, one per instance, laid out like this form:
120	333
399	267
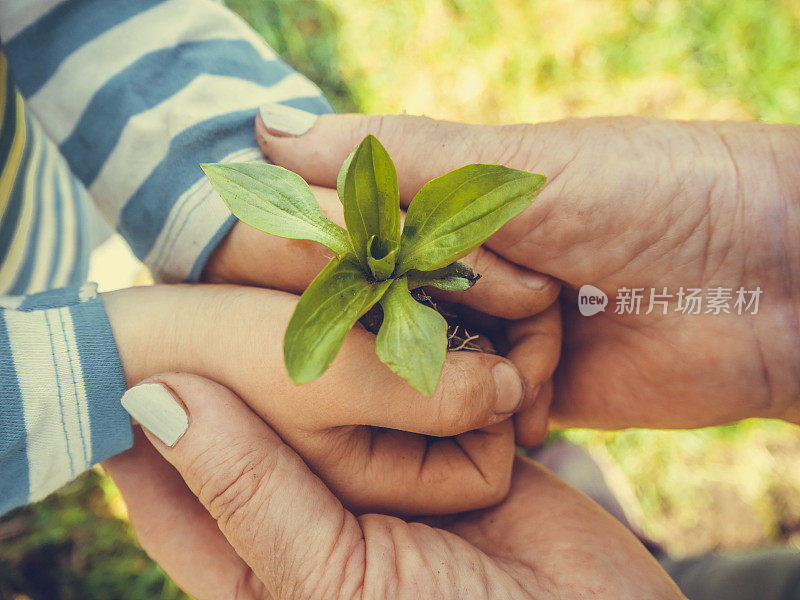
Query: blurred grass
500	61
718	488
77	545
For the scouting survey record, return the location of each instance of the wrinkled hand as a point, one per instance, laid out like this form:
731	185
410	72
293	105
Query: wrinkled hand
373	439
637	203
266	527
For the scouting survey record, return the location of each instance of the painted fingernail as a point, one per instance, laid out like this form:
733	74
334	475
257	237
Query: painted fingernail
509	388
534	281
283	120
157	410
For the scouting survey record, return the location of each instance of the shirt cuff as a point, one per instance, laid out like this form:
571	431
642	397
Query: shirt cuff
61	387
199	219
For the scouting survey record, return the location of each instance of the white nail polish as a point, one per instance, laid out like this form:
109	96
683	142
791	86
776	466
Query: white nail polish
286	120
156	409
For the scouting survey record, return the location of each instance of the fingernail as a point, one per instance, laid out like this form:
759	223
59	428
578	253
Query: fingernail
157	410
509	388
534	281
283	120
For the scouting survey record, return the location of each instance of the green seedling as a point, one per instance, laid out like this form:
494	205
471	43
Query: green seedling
378	258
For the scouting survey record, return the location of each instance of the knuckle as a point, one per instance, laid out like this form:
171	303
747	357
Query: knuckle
496	464
498	487
228	484
399	133
449	415
461	402
448	420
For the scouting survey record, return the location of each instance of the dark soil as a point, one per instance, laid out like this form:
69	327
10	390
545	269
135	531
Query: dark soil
459	336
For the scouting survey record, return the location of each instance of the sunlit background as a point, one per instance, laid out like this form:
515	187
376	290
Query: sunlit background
499	61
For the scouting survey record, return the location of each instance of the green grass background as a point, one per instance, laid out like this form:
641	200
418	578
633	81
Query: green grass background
501	61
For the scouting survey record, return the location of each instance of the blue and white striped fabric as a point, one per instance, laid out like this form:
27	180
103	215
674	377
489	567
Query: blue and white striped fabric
60	372
136	93
122	101
43	229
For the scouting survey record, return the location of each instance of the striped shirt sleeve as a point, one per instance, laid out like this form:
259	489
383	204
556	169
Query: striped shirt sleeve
136	94
44	223
61	384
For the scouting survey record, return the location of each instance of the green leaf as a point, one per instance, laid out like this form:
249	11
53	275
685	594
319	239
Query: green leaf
455	213
277	201
342	173
371	198
326	311
455	277
412	339
381	257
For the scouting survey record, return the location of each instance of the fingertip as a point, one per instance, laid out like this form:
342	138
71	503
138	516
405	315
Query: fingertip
505	289
477	390
531	423
509	387
316	147
180	412
532	293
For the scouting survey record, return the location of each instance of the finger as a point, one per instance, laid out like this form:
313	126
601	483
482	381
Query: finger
421	148
384	470
390	469
176	530
531	425
505	289
475	390
535	351
258	490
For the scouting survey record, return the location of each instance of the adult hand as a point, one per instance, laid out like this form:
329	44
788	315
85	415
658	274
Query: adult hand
287	536
637	203
360	427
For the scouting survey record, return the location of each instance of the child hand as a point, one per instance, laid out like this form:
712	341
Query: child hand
360	427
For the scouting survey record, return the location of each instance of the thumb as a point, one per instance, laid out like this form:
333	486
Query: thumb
259	491
422	148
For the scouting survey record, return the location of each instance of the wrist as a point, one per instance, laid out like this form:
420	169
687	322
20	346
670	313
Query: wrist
148	329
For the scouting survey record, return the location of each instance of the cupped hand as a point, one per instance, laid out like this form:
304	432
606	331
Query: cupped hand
508	302
375	441
252	521
630	203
